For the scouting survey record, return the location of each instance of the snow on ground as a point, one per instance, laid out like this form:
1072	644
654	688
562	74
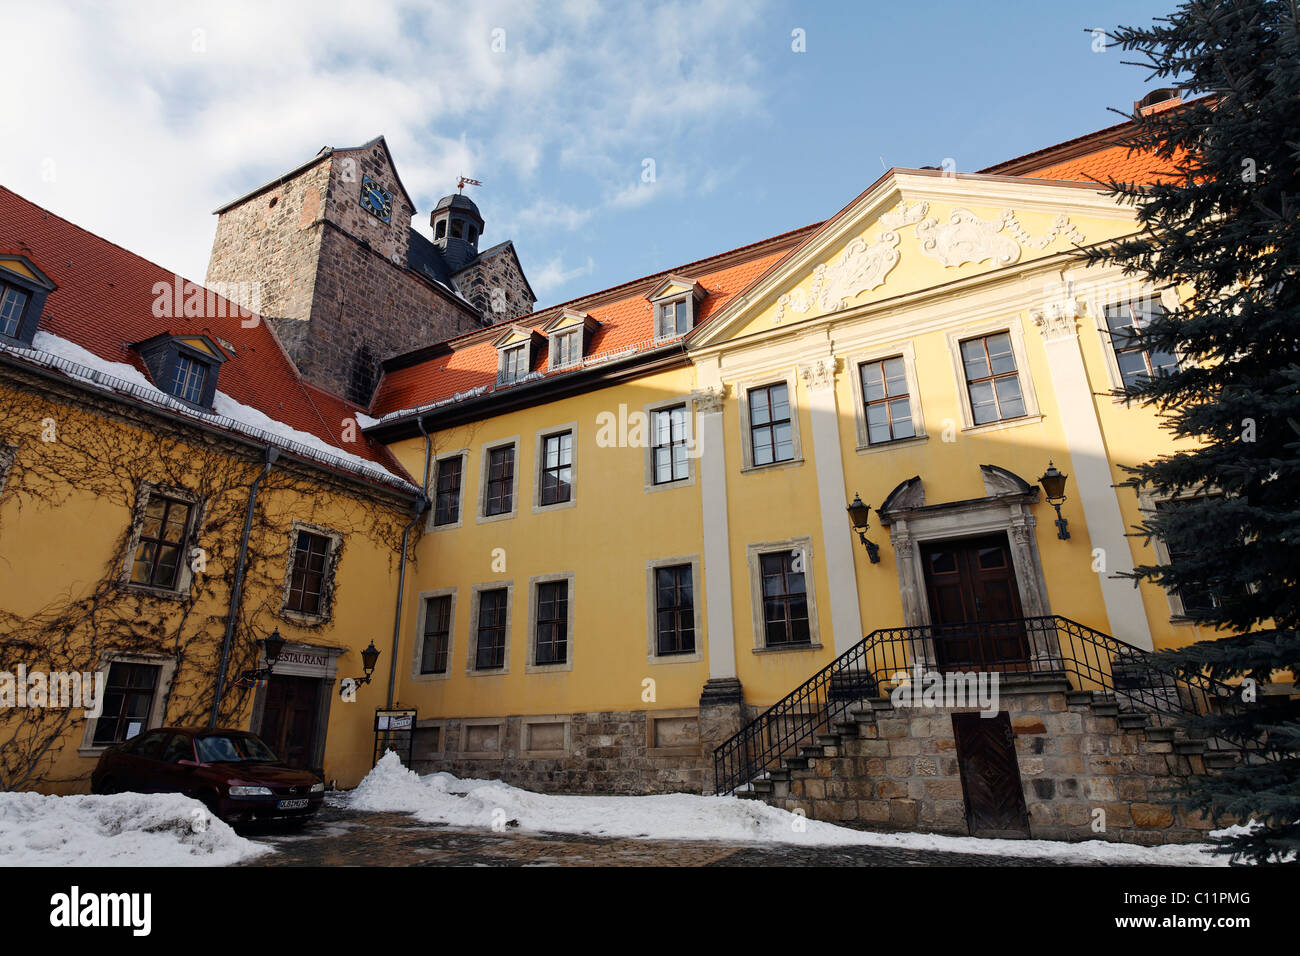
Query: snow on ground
443	798
126	829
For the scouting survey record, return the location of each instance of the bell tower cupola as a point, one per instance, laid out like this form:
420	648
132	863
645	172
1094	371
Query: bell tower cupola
457	226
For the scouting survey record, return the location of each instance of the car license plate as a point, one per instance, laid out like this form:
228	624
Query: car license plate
295	804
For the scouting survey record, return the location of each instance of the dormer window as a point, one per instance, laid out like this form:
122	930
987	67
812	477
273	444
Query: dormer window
190	376
184	366
674	319
13	305
569	334
514	364
23	289
675	302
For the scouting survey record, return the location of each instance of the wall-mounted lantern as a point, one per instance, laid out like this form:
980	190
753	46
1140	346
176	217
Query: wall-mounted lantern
858	517
1053	483
369	658
272	646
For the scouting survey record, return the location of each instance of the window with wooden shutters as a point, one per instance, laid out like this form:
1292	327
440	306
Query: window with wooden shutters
164	533
552	636
307	580
437	635
490	630
446	509
785	600
674	610
499	498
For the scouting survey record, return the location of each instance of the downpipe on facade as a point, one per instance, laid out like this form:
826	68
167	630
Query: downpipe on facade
421	503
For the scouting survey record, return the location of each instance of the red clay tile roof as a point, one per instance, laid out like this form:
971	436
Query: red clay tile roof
104	303
469	361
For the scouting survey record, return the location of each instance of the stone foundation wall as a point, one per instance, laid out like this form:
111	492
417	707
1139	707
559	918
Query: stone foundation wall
613	752
898	770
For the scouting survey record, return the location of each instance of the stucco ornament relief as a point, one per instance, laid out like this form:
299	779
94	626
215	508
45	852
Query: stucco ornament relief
1055	318
1061	226
861	268
820	374
709	399
965	237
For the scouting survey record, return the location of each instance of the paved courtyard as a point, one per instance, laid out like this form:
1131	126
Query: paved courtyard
345	837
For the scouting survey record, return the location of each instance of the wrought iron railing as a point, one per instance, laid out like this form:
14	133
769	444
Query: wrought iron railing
887	658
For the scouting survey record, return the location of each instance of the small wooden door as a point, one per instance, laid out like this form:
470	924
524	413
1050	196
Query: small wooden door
289	718
974	604
990	776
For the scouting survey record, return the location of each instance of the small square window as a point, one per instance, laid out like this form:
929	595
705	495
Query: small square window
673	319
187	383
567	349
514	364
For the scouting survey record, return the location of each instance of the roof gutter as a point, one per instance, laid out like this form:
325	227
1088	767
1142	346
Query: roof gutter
236	590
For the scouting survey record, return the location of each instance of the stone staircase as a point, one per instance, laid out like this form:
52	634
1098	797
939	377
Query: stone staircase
1091	767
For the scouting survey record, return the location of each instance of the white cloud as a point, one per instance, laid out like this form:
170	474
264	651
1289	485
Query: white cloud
552	275
136	120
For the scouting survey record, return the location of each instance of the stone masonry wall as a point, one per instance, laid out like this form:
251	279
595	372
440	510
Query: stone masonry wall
496	285
611	752
898	770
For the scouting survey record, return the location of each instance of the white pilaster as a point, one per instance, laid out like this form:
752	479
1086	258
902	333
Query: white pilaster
1092	481
712	466
837	539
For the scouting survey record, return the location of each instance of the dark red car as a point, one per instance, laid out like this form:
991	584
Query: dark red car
232	772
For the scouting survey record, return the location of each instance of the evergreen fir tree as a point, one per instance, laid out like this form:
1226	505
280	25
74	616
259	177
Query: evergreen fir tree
1224	232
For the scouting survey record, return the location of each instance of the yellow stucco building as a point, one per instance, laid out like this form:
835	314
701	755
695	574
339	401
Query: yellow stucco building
638	534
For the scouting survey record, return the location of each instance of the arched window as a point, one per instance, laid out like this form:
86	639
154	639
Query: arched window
471	234
440	230
457	226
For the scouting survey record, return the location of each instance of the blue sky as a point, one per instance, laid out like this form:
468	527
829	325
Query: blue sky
137	119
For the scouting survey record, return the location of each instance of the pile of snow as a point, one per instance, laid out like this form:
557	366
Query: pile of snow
248	419
443	798
126	829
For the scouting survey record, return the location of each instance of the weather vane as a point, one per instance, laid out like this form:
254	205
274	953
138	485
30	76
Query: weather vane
466	181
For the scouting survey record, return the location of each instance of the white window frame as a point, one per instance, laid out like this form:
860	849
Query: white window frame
525	362
790	380
1015	330
553	358
660	304
471	641
907	352
418	642
485	455
539	461
692	450
652	609
530	665
1097	310
752	555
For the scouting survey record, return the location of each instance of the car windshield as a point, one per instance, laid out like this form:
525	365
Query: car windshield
232	748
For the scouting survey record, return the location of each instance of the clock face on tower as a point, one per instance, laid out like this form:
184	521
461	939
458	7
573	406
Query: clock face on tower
376	200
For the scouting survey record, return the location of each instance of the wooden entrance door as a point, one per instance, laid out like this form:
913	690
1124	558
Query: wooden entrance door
289	718
990	776
974	604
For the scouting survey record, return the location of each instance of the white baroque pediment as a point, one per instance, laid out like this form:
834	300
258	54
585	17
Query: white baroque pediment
965	237
860	268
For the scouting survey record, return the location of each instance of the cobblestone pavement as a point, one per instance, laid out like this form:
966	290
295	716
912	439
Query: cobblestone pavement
342	837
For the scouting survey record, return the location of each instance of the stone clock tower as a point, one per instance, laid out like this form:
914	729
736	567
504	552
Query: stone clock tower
344	279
